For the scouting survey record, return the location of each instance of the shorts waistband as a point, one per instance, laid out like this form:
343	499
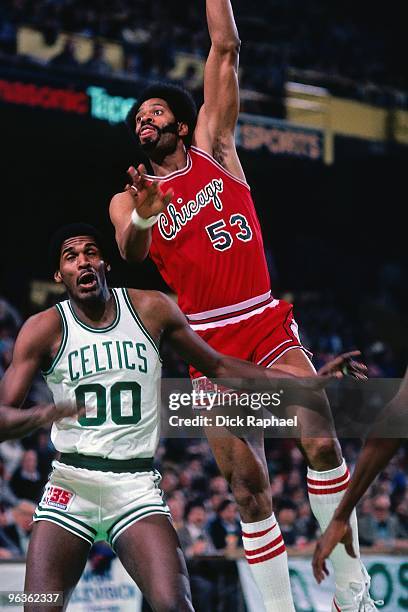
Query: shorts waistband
232	313
102	464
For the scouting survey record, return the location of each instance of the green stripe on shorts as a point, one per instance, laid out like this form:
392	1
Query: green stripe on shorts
57	521
113	537
68	516
132	511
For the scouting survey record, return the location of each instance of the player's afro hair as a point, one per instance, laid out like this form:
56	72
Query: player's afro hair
180	101
71	231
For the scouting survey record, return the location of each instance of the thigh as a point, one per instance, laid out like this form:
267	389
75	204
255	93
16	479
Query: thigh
55	561
313	410
150	551
239	458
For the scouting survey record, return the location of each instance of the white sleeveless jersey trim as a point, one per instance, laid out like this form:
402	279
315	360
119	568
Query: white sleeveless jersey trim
116	372
139	321
211	159
64	339
98	330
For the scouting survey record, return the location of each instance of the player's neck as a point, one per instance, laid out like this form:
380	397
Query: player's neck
98	312
170	162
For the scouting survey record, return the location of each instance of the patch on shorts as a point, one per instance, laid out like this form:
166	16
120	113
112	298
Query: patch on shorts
57	497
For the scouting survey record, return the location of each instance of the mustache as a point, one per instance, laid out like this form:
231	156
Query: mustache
170	128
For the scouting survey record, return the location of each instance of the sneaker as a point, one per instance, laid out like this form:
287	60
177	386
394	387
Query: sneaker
356	598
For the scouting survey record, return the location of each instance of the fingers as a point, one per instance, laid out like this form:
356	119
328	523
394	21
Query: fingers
319	564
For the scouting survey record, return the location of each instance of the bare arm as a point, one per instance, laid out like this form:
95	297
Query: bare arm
374	457
16	423
195	351
146	198
32	350
218	116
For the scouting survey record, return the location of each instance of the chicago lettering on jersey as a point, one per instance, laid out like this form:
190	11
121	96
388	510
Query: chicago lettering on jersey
108	355
172	220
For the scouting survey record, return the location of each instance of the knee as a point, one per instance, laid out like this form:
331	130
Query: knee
322	453
167	602
254	502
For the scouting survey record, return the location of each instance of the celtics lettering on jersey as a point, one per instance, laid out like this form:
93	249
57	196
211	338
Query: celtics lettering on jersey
115	372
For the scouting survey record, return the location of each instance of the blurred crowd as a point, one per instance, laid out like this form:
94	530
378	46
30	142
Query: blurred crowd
349	49
203	510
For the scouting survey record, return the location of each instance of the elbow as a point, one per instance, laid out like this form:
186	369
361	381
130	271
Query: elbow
130	253
227	46
220	368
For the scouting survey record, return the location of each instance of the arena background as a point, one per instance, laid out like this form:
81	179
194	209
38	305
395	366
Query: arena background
324	145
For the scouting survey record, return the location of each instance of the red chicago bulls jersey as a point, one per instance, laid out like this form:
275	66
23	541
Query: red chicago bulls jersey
208	244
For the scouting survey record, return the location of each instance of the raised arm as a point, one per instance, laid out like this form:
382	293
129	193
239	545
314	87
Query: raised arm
219	114
134	211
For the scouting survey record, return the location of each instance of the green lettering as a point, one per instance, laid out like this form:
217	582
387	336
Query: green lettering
116	403
84	361
125	345
71	372
108	352
403	578
139	347
119	353
100	392
95	352
381	569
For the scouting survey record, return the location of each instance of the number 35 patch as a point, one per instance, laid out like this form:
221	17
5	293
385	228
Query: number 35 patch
56	497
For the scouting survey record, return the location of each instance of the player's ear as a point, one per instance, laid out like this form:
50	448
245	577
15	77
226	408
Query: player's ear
57	277
182	129
107	267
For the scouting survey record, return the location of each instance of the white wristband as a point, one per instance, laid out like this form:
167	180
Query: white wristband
142	223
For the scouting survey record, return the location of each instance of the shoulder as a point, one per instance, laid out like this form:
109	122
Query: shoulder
156	306
144	299
41	330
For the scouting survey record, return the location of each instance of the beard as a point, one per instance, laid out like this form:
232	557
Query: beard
148	146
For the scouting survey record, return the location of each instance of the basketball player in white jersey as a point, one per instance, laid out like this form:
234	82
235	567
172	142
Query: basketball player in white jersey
100	348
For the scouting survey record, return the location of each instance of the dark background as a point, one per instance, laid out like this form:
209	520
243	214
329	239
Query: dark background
325	227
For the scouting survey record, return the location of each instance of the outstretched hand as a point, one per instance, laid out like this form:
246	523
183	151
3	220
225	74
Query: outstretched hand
55	412
344	365
337	532
148	198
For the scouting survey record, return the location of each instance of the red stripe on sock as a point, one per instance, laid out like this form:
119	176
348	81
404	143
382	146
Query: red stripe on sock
271	555
328	491
257	551
336	606
258	534
324	483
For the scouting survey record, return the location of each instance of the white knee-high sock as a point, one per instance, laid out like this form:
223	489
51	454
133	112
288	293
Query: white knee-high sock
268	560
326	490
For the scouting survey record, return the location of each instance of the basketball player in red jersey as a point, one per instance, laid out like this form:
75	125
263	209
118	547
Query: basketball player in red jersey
194	215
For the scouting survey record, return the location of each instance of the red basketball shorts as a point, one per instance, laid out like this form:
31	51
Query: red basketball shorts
261	339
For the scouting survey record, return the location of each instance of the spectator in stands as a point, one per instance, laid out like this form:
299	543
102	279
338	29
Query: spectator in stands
26	481
177	505
225	528
15	528
7	497
196	543
380	529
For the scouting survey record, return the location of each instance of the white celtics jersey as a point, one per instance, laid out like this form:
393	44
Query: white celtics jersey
115	371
